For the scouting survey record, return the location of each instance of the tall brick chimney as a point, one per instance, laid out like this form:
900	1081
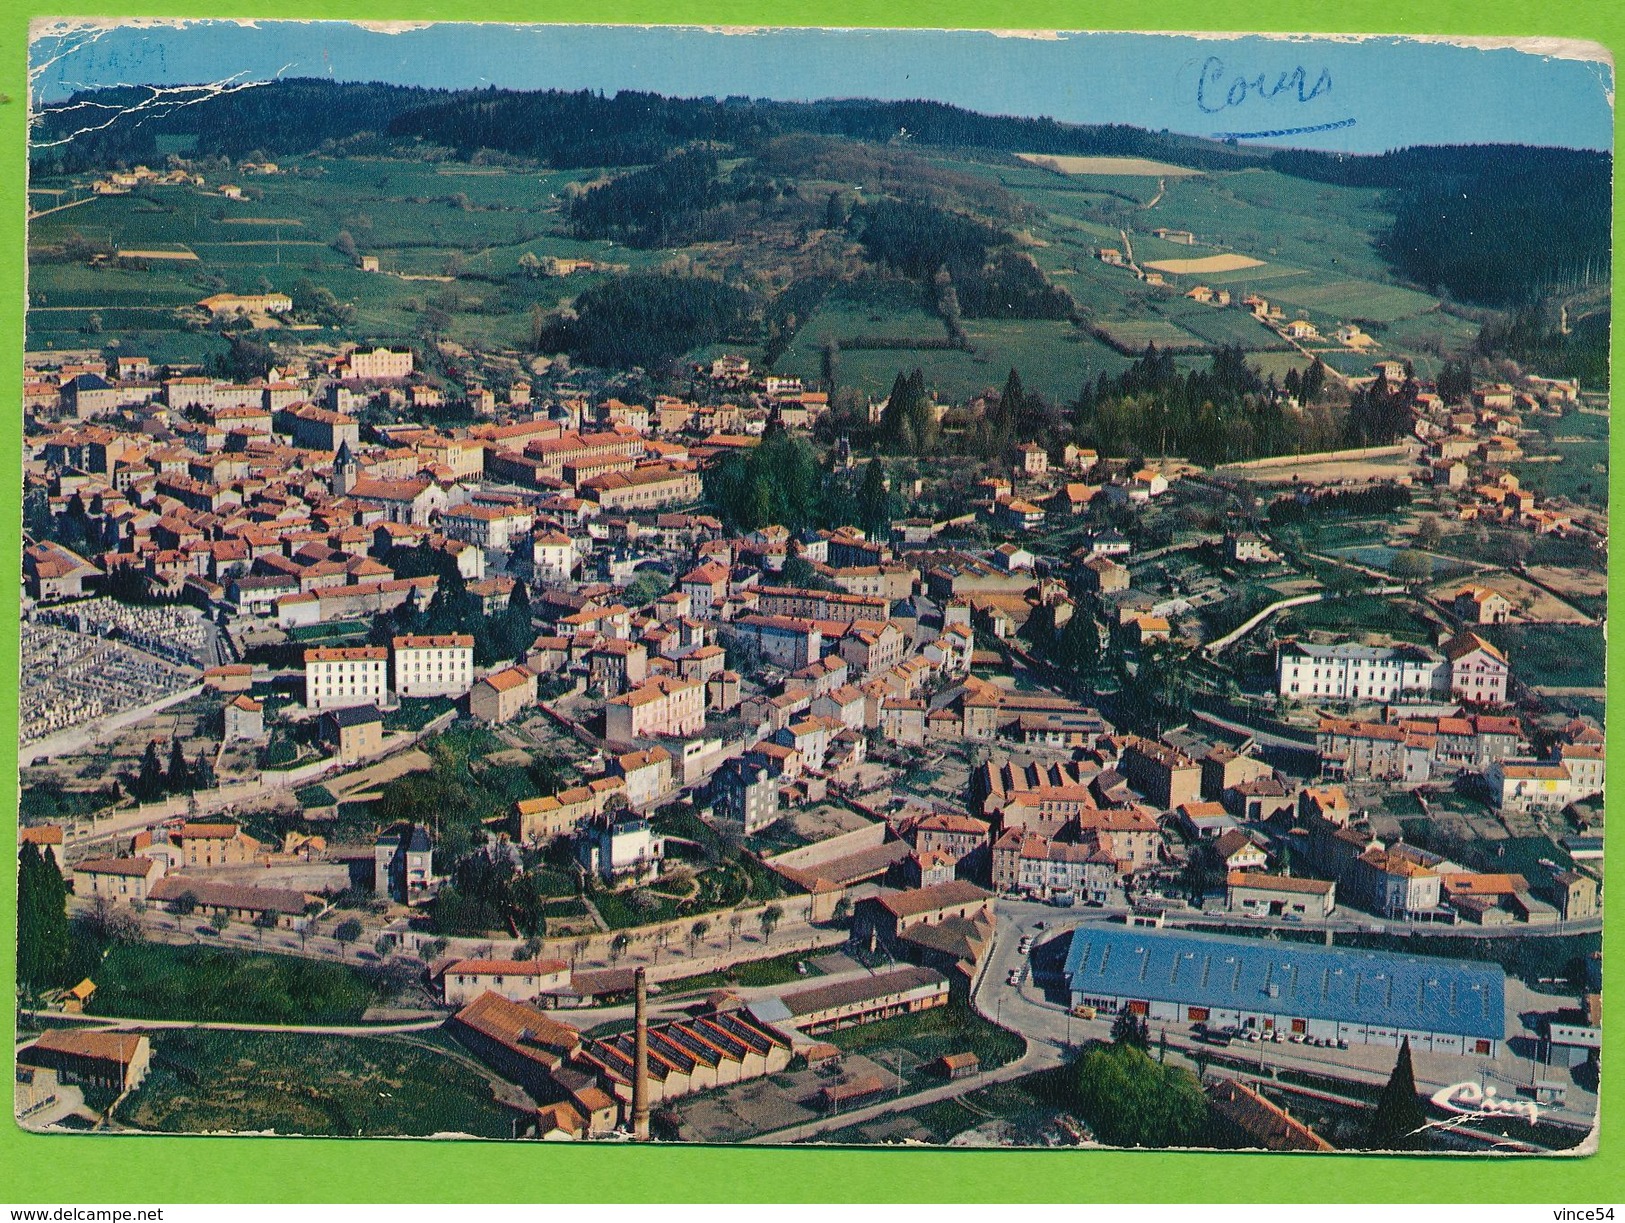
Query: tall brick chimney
640	1058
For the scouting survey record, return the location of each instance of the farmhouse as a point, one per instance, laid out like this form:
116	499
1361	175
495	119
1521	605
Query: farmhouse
502	696
515	980
353	732
1481	605
117	879
115	1061
225	305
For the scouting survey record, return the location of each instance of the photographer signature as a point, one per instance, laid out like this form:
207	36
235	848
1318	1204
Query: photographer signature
1219	89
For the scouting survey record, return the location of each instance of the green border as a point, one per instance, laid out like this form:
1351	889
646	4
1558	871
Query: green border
83	1170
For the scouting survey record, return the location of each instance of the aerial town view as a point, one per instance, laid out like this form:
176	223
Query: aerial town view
564	613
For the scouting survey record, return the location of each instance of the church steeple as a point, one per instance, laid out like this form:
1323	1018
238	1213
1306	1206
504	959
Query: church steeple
345	470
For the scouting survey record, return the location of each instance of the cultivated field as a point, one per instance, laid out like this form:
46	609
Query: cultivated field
1206	263
1135	334
1134	166
1310	469
1572	583
450	237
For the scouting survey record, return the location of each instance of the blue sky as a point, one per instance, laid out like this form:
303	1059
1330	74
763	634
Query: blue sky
1353	96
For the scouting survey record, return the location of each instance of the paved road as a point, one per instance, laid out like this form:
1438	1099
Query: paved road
70	1102
1016	1010
1264	737
190	931
121	1022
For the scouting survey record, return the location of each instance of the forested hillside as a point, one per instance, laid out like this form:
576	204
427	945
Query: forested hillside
1497	225
922	202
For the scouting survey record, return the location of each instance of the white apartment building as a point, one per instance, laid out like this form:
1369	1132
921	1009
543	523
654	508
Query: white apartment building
492	527
1526	785
1360	673
342	677
434	665
553	555
1585	763
380	363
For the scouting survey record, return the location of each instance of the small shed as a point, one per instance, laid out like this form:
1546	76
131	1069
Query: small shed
958	1065
861	1090
74	1001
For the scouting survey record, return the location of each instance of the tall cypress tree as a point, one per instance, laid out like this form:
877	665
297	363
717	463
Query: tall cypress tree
179	777
922	417
150	783
42	919
1077	649
894	417
1398	1123
203	777
1012	400
874	502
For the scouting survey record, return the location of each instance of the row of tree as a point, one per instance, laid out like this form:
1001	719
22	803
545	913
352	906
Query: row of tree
42	920
1225	413
153	781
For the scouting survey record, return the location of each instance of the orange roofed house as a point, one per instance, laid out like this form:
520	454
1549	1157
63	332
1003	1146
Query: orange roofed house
502	696
662	706
515	980
217	843
116	1061
537	820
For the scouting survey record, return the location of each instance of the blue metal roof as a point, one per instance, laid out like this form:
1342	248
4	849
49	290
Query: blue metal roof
1418	993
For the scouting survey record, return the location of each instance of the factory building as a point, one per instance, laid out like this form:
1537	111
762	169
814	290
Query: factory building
1363	997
